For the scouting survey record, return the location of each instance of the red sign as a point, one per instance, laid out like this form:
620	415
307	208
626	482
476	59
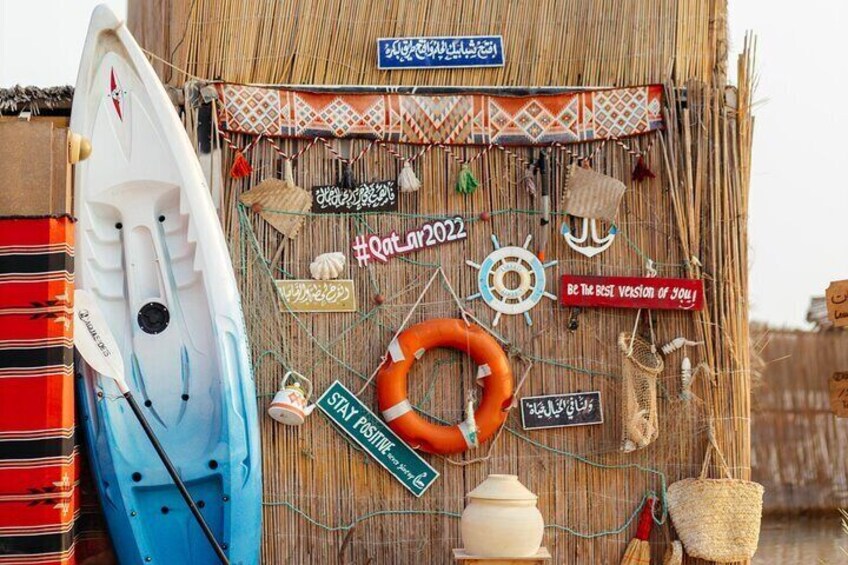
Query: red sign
632	292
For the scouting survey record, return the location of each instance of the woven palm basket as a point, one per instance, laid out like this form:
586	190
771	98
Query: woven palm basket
717	519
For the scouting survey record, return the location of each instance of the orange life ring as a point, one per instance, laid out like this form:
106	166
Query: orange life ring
493	369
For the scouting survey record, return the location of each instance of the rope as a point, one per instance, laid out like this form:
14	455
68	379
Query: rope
380	317
400	329
451	514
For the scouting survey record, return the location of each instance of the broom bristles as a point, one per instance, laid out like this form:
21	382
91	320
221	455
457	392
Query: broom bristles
638	553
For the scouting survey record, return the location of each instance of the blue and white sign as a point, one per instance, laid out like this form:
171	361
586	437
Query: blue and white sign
449	52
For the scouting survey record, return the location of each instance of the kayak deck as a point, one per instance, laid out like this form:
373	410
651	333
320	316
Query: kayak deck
150	255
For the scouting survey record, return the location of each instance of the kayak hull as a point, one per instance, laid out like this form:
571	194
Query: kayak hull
151	252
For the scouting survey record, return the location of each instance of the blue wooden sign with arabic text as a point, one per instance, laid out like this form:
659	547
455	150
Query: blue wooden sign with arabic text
440	52
561	410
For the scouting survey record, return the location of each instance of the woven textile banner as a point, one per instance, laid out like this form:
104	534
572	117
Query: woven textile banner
38	453
450	119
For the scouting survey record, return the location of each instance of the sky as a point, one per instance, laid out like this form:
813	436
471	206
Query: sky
798	194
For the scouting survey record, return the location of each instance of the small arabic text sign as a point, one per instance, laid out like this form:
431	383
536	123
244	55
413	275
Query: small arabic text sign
561	410
377	196
836	297
838	388
308	295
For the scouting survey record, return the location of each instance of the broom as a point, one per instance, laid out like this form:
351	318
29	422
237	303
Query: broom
639	550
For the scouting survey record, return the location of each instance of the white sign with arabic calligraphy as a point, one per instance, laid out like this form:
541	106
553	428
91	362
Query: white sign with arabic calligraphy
453	52
561	410
316	296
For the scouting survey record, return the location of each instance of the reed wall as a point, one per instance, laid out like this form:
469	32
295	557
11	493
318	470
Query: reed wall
548	42
325	502
799	448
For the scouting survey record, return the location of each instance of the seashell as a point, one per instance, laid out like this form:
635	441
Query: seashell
327	266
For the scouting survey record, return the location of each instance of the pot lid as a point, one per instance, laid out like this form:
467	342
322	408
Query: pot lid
502	487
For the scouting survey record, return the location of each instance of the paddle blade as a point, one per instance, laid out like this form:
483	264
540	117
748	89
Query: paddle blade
94	340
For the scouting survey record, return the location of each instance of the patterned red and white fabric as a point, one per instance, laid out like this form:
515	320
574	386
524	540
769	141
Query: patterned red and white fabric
452	119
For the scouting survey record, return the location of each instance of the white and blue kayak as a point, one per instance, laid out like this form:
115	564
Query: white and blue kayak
151	251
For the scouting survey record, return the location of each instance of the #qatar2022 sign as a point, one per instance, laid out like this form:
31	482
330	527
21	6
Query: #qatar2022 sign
449	52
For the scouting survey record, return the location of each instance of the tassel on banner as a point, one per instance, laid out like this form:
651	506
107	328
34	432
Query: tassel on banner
641	171
288	173
528	180
407	181
241	166
346	180
466	183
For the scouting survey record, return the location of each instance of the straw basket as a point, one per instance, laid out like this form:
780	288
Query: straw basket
717	519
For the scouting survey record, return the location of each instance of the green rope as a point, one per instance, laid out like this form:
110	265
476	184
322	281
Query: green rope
450	514
248	236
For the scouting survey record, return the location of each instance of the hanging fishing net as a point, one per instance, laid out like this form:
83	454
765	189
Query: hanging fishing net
640	367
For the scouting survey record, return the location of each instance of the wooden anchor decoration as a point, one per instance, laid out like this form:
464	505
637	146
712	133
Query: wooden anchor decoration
590	228
591	196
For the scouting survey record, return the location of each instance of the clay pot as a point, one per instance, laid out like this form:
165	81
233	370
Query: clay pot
501	519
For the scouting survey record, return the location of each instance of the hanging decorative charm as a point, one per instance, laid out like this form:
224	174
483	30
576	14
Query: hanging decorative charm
466	183
638	551
528	180
346	177
641	171
511	300
677	343
280	202
686	378
591	196
291	403
407	181
674	554
327	266
545	218
241	166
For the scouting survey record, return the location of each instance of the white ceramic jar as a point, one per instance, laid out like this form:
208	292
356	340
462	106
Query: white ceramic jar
501	519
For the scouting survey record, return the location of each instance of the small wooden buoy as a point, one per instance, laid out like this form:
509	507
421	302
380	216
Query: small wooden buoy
79	148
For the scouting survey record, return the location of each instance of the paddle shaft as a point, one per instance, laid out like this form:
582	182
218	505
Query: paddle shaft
176	478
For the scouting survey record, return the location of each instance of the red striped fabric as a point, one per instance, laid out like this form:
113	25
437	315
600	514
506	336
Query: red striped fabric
38	452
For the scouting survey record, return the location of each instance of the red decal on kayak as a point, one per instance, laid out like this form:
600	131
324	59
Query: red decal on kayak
115	94
632	292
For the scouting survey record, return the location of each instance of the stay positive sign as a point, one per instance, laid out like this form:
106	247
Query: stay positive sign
377	439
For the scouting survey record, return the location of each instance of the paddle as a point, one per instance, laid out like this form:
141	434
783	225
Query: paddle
98	348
